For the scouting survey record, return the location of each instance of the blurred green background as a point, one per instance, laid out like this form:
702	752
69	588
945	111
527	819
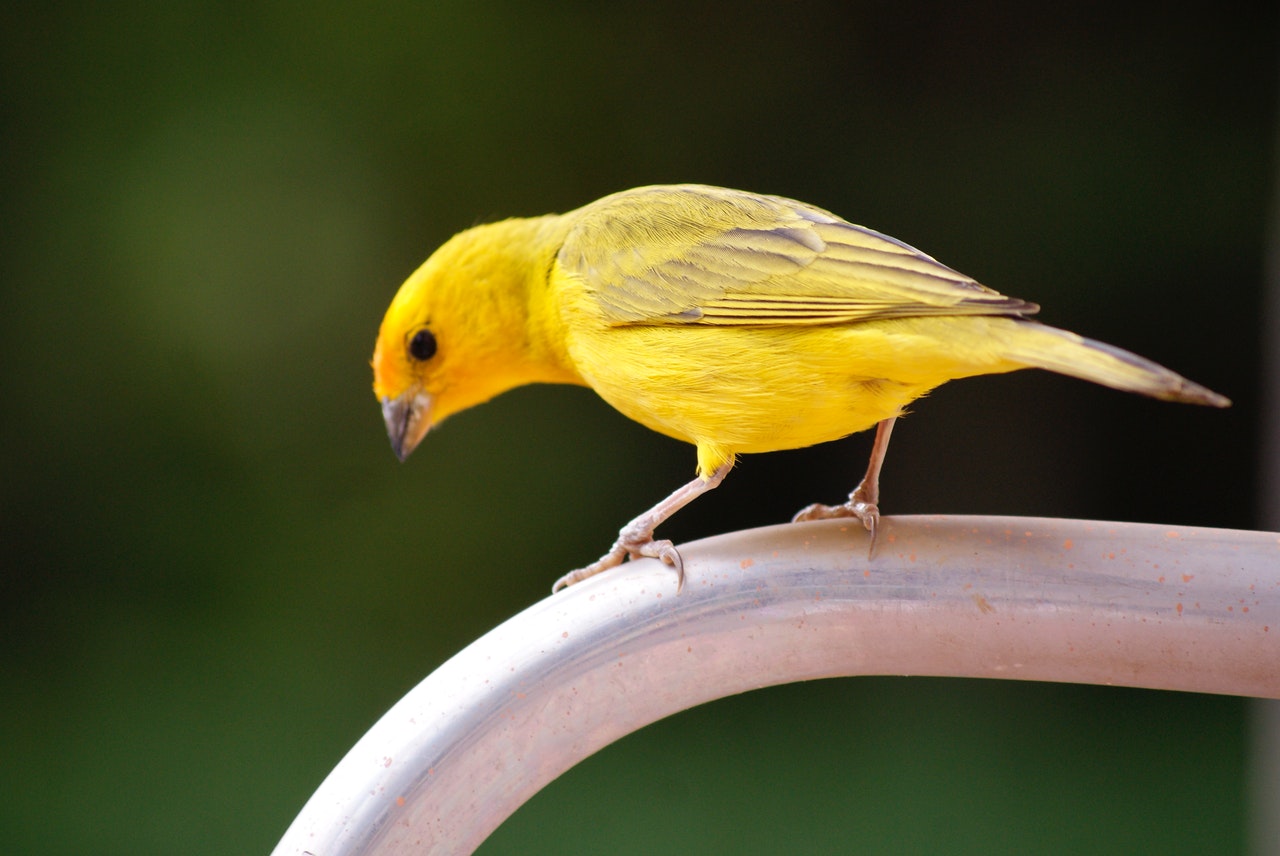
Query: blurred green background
216	576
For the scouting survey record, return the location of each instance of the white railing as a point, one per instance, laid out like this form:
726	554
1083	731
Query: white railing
1175	608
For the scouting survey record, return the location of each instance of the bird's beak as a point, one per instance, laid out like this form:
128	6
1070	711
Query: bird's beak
408	418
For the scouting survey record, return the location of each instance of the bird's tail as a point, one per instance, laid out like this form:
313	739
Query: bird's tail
1045	347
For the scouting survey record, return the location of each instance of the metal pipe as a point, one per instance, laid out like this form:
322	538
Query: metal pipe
1176	608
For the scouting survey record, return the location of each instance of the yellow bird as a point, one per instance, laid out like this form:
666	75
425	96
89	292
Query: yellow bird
731	320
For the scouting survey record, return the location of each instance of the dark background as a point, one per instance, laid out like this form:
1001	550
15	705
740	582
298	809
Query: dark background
214	575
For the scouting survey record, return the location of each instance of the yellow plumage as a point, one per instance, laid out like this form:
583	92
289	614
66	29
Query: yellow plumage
734	321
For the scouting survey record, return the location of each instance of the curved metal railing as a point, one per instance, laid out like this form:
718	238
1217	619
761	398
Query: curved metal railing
1176	608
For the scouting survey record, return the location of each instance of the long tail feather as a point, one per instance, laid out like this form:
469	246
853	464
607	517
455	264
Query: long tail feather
1064	352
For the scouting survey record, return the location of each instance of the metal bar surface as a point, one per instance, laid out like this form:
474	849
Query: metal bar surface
1167	607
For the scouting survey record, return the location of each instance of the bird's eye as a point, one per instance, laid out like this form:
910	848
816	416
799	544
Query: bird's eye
422	346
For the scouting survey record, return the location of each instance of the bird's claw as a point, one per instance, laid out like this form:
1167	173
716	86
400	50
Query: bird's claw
611	559
667	553
863	509
866	512
628	546
636	538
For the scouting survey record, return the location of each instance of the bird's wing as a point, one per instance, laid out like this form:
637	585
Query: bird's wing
690	254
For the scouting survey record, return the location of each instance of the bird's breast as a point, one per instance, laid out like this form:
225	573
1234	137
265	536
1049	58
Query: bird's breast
743	390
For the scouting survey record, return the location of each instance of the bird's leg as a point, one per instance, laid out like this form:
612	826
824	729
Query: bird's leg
636	538
865	500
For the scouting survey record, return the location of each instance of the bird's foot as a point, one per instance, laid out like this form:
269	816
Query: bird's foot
633	543
859	505
636	538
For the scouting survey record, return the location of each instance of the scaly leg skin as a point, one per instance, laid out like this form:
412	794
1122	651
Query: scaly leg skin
636	538
864	502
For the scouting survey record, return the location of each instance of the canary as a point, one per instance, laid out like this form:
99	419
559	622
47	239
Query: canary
735	321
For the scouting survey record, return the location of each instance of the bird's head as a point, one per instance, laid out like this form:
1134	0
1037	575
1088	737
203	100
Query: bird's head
458	331
407	378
